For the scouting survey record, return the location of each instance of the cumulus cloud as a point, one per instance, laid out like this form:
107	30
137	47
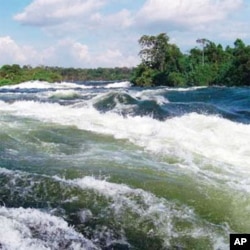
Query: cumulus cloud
72	52
65	53
51	12
11	52
115	58
108	57
83	21
61	17
81	51
14	53
183	13
121	19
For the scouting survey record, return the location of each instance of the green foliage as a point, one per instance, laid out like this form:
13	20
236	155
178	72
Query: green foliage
163	63
239	70
105	74
176	79
153	53
10	74
202	75
143	76
43	74
13	74
5	81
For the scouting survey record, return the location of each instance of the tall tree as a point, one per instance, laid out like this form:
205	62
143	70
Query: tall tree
153	51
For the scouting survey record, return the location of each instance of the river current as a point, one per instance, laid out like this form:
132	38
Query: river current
103	165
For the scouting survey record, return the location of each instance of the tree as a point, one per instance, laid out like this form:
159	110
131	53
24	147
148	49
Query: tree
153	51
159	59
239	70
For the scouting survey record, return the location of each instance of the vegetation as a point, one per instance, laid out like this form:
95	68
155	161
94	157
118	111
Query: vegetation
13	74
162	63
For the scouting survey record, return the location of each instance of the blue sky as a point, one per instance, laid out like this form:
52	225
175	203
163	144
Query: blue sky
104	33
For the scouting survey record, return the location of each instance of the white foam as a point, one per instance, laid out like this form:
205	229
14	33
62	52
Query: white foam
124	84
45	85
187	138
160	212
209	136
151	94
187	89
29	85
31	229
63	85
64	94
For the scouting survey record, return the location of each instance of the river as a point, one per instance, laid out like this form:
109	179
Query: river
103	165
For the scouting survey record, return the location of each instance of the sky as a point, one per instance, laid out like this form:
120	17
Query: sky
105	33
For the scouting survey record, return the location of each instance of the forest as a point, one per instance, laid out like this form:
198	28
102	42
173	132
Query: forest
162	64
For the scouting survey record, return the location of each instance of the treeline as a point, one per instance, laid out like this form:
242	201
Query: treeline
13	74
162	63
99	74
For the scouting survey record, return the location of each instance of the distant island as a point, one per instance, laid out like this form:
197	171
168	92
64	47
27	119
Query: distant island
162	64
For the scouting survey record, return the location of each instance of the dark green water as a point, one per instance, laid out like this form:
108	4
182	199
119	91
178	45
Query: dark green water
108	166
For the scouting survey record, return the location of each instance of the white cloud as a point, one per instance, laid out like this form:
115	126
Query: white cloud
12	53
110	56
82	20
65	53
77	18
121	19
183	13
81	51
112	23
50	12
70	51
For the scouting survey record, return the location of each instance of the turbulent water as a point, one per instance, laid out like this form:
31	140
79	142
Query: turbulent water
109	166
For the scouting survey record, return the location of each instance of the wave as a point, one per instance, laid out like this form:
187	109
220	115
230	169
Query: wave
211	136
64	94
125	84
160	103
39	85
145	206
184	165
192	139
65	85
130	208
32	229
125	104
187	89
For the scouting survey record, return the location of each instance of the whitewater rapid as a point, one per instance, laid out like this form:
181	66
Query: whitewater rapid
83	165
193	139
